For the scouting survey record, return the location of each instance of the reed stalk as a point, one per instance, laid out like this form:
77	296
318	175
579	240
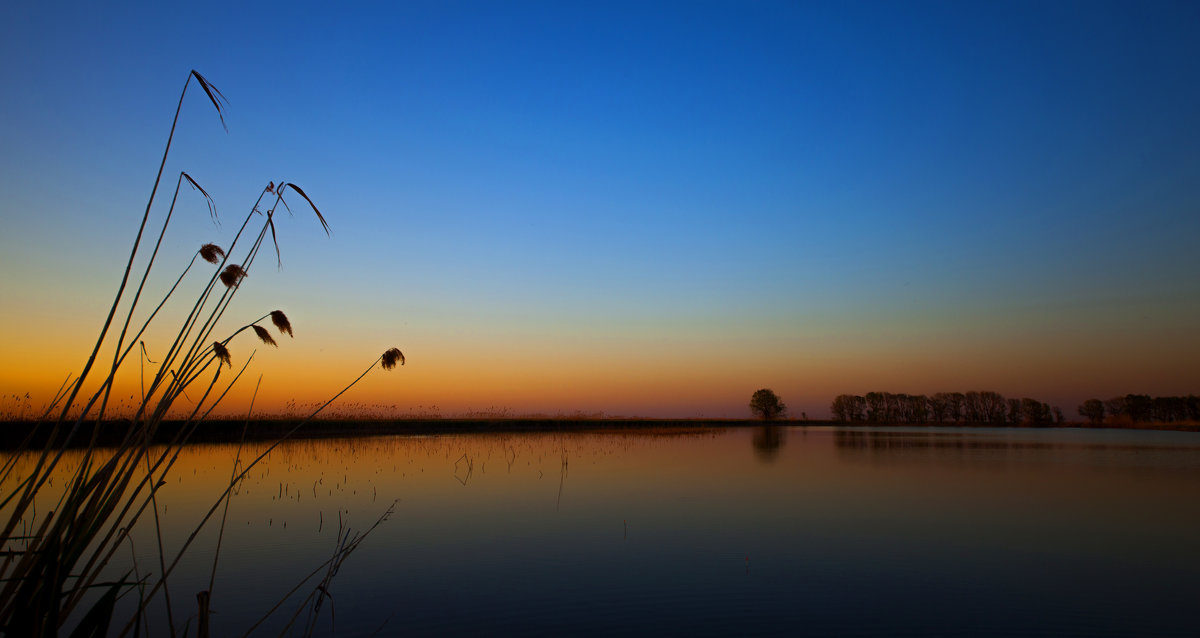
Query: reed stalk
45	464
387	360
56	563
216	99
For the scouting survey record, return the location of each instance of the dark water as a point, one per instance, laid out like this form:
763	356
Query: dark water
799	531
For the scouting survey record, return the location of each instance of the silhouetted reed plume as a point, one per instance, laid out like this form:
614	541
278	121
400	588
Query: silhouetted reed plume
212	253
61	570
390	358
281	322
264	335
222	353
232	275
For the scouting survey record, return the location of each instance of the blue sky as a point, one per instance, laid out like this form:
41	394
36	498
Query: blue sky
824	195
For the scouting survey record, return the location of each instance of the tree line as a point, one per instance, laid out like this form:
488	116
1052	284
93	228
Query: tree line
1142	408
994	408
943	407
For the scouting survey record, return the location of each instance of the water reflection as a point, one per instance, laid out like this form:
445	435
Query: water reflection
981	448
859	531
767	441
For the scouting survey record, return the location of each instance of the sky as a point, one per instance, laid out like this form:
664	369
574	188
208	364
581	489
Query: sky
635	209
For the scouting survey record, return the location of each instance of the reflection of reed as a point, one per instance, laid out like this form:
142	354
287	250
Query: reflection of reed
465	462
562	478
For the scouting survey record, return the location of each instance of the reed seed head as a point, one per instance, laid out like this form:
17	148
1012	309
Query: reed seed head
222	354
212	253
232	275
264	335
281	322
391	357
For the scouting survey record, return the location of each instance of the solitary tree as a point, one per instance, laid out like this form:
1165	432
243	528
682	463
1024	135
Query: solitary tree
765	404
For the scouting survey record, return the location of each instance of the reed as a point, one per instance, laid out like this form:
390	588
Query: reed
58	563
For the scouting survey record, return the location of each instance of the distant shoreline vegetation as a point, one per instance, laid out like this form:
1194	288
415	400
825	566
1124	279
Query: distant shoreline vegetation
954	409
992	408
973	408
231	430
268	429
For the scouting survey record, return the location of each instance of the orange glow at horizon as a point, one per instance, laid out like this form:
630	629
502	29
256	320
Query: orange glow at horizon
668	216
634	376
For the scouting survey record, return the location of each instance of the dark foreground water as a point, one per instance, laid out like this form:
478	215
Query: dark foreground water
798	531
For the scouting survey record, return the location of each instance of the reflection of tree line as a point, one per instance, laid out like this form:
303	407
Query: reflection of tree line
943	407
967	449
1141	408
894	441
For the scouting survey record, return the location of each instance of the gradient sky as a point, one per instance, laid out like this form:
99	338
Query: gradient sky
632	208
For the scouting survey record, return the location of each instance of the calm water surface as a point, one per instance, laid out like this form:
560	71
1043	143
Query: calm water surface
805	531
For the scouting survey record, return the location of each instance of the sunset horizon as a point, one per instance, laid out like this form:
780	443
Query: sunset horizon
706	318
630	212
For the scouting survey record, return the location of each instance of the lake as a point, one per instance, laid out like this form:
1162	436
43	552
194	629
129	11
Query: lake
743	531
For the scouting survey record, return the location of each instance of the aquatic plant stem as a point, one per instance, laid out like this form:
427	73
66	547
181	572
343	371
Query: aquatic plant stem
229	488
117	355
212	579
132	253
41	468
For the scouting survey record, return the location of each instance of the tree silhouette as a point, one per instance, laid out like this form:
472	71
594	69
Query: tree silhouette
988	407
849	407
1115	406
766	405
1093	410
1014	411
1141	408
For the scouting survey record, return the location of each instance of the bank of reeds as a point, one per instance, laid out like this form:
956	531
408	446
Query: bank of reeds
57	568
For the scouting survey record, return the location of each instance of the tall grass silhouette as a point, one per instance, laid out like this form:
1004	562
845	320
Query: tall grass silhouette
57	566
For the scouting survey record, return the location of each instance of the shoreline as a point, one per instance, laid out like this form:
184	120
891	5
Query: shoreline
13	433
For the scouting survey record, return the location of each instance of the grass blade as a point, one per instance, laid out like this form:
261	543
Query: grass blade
215	95
212	205
278	258
310	203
